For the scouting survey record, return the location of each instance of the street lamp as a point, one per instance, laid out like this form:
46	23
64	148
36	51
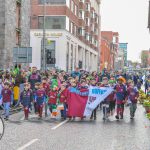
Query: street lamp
43	62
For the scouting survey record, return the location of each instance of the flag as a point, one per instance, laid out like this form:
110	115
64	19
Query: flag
96	96
76	105
80	104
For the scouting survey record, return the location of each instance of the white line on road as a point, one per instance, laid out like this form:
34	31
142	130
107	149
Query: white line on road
22	119
60	124
28	144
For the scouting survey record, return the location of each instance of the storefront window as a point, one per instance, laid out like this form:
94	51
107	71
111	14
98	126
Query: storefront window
52	22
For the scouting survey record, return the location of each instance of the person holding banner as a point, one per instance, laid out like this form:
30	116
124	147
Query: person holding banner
93	83
62	95
84	89
106	102
46	87
120	94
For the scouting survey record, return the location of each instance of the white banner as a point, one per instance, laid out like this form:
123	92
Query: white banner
96	96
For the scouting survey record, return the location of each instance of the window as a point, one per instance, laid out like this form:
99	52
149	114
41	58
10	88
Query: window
52	1
52	22
50	52
81	31
75	30
93	27
72	6
92	14
71	27
82	1
87	36
81	14
87	21
76	10
87	7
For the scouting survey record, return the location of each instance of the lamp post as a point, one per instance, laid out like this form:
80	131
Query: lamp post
43	62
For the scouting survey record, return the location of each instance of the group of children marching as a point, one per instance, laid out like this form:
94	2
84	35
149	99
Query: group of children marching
43	95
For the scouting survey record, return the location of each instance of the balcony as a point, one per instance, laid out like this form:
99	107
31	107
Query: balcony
81	22
87	29
87	14
81	6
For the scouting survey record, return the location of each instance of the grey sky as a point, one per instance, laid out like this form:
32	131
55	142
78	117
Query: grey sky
129	18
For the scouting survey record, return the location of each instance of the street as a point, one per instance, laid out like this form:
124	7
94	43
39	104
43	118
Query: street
82	135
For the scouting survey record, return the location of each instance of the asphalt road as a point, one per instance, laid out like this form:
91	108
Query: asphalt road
77	135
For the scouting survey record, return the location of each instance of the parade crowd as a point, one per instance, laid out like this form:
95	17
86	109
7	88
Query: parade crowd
39	91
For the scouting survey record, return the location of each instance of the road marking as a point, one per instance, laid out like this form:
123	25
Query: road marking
60	124
22	119
28	144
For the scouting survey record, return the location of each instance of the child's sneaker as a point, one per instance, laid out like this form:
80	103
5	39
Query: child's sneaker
117	117
6	118
121	117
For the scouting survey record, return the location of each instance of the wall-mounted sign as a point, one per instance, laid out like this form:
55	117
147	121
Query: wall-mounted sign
47	34
22	54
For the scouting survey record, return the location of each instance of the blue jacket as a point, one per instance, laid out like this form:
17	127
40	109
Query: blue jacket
26	98
40	96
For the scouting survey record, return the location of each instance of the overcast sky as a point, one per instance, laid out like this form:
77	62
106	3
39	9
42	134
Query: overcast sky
129	18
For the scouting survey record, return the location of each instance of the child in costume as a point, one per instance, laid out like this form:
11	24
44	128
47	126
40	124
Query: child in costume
120	95
133	95
26	98
62	95
40	97
52	98
93	83
6	99
46	87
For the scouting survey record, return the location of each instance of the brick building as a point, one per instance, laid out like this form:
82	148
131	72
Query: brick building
109	49
14	28
72	33
145	58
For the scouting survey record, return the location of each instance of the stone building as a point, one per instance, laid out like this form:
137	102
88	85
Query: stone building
14	29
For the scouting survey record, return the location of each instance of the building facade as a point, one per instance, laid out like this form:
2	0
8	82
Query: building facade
14	28
145	58
109	50
124	47
72	33
105	54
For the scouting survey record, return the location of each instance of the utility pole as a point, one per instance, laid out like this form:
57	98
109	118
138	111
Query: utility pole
43	61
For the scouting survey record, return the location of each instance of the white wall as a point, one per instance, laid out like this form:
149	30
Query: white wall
61	37
67	23
35	43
